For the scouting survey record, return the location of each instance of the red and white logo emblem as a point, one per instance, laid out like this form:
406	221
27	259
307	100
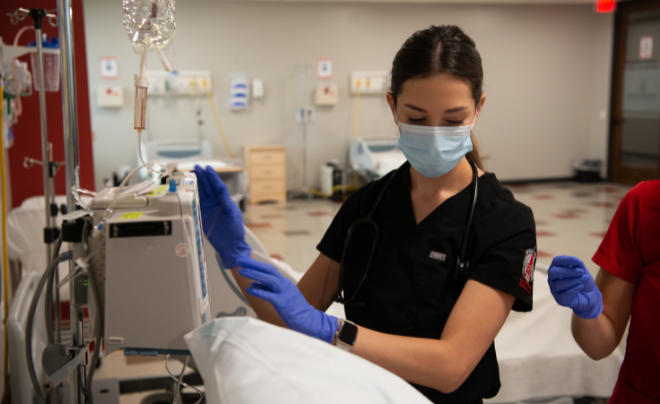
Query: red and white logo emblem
182	250
529	263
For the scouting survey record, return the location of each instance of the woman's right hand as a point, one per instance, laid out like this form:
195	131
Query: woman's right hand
221	218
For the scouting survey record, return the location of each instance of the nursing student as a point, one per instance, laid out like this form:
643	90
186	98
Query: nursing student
428	260
627	287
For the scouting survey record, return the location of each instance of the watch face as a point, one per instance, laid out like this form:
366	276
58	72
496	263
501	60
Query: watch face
348	333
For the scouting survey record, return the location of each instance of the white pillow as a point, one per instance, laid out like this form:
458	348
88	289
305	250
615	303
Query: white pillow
243	360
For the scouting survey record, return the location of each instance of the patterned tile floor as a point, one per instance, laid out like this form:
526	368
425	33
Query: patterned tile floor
571	218
294	232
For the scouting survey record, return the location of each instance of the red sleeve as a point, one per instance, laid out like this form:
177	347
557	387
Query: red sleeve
619	252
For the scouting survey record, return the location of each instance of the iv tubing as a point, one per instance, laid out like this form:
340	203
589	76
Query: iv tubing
217	121
201	394
5	260
163	60
143	63
65	256
140	154
110	208
20	32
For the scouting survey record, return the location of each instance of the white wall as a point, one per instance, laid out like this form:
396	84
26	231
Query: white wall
547	75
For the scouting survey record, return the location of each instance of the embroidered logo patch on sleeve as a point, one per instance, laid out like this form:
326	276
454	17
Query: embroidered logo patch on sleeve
529	263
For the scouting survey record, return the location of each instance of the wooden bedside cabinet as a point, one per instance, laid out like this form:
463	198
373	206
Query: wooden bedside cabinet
266	166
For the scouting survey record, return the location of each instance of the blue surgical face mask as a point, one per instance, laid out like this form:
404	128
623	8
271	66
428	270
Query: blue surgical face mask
435	150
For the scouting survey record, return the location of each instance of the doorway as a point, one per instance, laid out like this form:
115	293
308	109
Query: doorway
635	125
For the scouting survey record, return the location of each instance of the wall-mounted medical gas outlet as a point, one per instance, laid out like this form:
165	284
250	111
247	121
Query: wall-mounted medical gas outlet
370	82
257	89
326	94
305	115
110	96
184	82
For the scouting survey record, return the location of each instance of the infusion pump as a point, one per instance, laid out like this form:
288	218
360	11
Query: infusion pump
150	266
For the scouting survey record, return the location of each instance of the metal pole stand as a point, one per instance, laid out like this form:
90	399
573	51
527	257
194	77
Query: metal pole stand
303	124
49	167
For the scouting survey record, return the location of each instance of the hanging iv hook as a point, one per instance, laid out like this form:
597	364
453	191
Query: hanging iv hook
20	14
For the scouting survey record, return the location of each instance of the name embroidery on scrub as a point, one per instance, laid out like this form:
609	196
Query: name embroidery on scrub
438	256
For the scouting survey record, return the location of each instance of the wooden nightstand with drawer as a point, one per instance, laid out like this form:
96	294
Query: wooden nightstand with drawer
266	166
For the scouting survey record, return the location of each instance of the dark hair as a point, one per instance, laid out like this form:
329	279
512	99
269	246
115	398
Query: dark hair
440	49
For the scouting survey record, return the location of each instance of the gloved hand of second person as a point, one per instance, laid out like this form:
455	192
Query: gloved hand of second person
287	300
221	218
572	286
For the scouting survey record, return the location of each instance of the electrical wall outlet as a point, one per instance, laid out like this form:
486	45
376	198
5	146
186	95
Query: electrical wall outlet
370	82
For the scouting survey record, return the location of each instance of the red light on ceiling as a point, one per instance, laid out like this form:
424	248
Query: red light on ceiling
605	6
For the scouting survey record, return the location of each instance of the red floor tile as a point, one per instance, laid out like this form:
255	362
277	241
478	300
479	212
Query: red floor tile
257	225
319	213
544	233
543	197
604	204
599	234
277	257
566	216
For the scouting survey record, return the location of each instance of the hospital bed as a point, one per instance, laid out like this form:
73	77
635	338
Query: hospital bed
172	151
373	157
538	358
183	154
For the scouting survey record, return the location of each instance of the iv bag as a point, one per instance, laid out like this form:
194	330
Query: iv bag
150	24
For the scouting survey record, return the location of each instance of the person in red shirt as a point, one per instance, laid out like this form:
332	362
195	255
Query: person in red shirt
627	287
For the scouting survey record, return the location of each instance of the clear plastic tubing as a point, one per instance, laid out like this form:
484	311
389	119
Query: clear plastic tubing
141	86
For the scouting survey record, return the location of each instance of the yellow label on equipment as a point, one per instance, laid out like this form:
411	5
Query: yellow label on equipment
158	191
131	215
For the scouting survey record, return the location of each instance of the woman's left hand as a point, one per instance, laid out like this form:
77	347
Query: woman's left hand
287	300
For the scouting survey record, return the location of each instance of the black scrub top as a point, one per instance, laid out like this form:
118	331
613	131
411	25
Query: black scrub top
410	289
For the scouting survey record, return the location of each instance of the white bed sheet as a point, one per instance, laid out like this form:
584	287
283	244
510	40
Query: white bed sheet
539	358
245	361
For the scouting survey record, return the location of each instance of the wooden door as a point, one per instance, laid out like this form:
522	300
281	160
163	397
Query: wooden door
635	124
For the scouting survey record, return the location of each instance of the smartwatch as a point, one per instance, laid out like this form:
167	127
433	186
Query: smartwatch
346	335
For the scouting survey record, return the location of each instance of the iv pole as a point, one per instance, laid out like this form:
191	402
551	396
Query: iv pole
70	118
303	125
48	168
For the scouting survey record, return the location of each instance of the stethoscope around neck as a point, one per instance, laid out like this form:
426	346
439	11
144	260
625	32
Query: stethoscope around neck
461	265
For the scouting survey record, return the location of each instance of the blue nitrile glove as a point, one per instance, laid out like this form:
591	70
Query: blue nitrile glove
221	218
572	286
289	303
